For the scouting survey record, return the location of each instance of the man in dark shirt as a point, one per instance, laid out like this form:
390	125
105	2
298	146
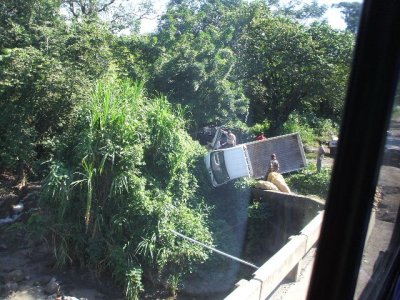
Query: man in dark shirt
273	165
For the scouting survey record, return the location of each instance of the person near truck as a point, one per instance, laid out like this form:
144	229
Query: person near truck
230	139
261	137
320	156
273	165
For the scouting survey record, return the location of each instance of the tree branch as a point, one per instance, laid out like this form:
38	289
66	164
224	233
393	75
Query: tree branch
72	8
104	7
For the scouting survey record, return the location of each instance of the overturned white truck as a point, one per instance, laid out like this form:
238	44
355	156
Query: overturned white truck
252	159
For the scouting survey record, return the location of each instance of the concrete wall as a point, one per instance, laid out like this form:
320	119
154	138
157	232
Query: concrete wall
296	222
290	212
304	207
283	264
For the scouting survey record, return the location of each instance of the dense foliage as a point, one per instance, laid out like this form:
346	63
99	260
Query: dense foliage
107	119
242	64
125	179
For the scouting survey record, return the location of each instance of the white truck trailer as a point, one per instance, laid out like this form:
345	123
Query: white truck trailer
252	159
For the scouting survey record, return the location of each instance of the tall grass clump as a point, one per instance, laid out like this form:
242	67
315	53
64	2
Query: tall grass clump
122	182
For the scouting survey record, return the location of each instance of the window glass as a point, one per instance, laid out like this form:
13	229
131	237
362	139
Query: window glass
111	119
218	167
381	242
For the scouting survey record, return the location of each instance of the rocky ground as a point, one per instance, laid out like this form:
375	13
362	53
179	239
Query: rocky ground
27	267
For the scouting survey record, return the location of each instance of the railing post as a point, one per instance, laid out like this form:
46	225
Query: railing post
294	274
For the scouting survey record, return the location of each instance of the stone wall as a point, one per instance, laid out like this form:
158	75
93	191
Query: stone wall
300	208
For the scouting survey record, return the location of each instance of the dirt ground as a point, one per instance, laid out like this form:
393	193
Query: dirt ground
27	267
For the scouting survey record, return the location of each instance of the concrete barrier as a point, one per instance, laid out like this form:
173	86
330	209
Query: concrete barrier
285	262
312	230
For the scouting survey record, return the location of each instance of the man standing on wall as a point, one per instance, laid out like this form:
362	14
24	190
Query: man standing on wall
273	165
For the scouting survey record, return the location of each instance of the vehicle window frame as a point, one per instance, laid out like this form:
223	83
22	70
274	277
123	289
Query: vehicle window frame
369	101
222	173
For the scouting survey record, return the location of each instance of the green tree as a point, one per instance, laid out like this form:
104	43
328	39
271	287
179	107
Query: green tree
233	62
44	71
38	94
200	81
135	56
85	46
336	48
281	62
301	11
351	12
19	18
119	15
196	67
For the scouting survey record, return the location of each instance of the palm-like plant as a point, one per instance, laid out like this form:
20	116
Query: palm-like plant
129	180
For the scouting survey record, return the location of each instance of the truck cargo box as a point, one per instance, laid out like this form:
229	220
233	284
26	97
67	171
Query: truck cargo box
252	159
288	149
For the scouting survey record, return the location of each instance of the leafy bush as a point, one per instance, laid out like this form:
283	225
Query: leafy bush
262	127
310	182
325	129
297	123
311	128
125	183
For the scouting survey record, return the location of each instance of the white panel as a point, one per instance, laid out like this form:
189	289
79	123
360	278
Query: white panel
236	163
